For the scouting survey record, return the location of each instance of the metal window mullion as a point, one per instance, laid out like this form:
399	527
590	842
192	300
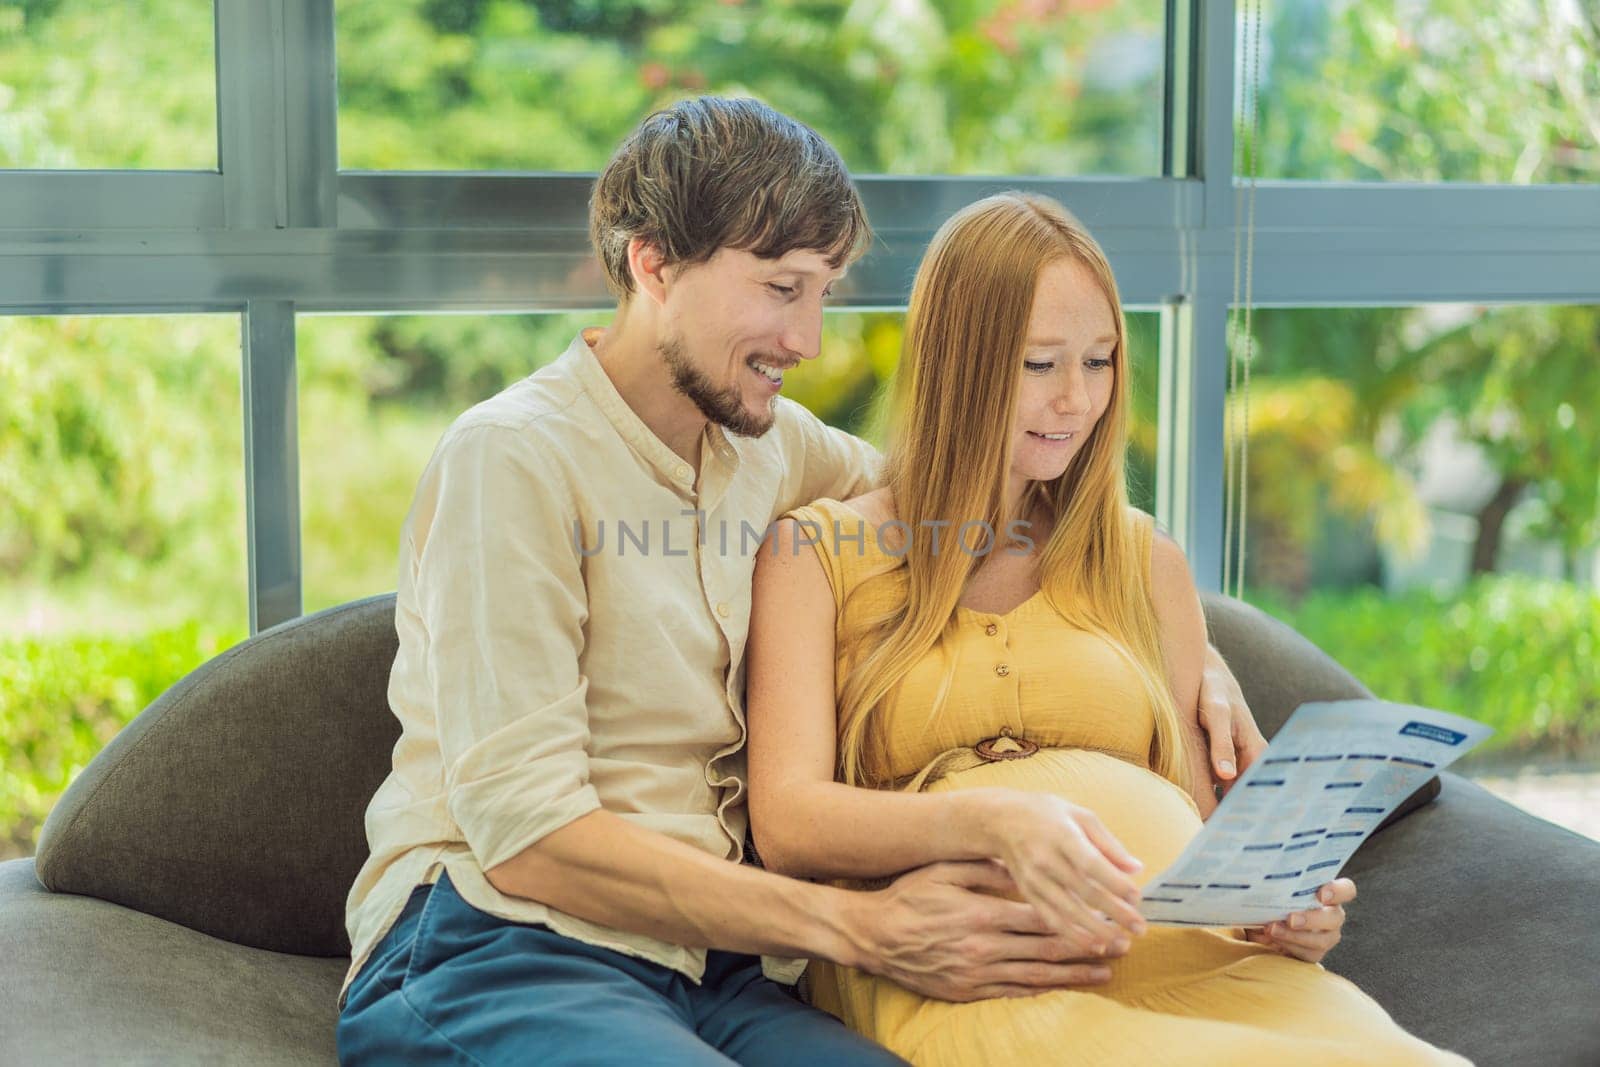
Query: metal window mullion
1180	118
272	463
559	203
1427	207
1194	357
1170	422
310	102
1204	368
251	120
1213	109
508	269
1200	381
254	132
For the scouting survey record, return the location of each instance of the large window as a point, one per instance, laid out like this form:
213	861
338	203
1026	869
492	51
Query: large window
122	539
919	88
1418	468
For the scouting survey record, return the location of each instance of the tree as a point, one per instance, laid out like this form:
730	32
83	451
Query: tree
1515	379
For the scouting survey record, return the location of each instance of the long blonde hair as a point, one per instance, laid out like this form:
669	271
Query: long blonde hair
951	422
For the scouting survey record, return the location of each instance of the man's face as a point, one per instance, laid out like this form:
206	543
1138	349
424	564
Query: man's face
733	325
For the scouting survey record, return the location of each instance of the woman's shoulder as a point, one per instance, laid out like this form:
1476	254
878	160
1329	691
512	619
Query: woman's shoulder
843	534
877	506
1165	565
1160	559
869	510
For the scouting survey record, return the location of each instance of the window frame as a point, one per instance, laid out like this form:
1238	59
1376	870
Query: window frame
280	230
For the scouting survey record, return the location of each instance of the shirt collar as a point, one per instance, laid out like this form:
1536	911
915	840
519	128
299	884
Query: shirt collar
591	376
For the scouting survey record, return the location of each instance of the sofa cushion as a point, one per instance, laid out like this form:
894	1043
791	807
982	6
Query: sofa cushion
1475	928
84	981
235	803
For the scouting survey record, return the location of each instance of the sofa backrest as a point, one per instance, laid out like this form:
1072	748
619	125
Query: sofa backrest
1277	668
234	804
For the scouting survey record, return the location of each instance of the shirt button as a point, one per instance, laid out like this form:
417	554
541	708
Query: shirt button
1002	670
991	629
722	609
682	472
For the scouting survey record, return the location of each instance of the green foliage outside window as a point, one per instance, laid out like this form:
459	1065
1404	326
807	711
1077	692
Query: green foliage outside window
1431	90
919	88
63	697
115	86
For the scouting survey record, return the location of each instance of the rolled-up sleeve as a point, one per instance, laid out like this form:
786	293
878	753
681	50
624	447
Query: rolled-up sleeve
500	594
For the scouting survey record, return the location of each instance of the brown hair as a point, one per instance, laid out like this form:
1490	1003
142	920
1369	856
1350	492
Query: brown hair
713	173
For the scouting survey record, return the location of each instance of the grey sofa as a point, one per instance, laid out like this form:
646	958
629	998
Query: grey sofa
186	902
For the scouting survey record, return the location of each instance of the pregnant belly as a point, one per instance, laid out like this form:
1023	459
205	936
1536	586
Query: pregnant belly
1154	820
1152	817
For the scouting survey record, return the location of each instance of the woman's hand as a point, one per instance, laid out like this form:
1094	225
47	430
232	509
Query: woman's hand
1069	867
1232	737
1309	935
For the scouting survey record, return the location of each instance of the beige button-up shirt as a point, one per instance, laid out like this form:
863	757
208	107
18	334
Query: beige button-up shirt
572	611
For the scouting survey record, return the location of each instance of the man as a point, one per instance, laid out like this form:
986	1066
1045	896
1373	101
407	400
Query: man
555	857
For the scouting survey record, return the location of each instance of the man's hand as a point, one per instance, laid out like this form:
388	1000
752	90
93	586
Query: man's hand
941	932
1309	935
1231	732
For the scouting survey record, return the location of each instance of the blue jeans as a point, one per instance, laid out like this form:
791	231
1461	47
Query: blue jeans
450	984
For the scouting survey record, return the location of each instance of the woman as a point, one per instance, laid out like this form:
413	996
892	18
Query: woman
986	660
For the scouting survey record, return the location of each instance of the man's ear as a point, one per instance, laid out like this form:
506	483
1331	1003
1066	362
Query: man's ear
649	268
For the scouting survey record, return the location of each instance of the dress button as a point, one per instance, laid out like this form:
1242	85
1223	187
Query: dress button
722	609
991	629
1002	670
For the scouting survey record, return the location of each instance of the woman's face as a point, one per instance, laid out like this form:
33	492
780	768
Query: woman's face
1067	372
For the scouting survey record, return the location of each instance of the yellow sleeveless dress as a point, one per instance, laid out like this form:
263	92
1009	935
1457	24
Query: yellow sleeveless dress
1181	995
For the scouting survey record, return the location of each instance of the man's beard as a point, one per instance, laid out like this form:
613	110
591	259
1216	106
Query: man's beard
725	406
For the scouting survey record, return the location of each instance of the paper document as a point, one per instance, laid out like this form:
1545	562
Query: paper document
1330	776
